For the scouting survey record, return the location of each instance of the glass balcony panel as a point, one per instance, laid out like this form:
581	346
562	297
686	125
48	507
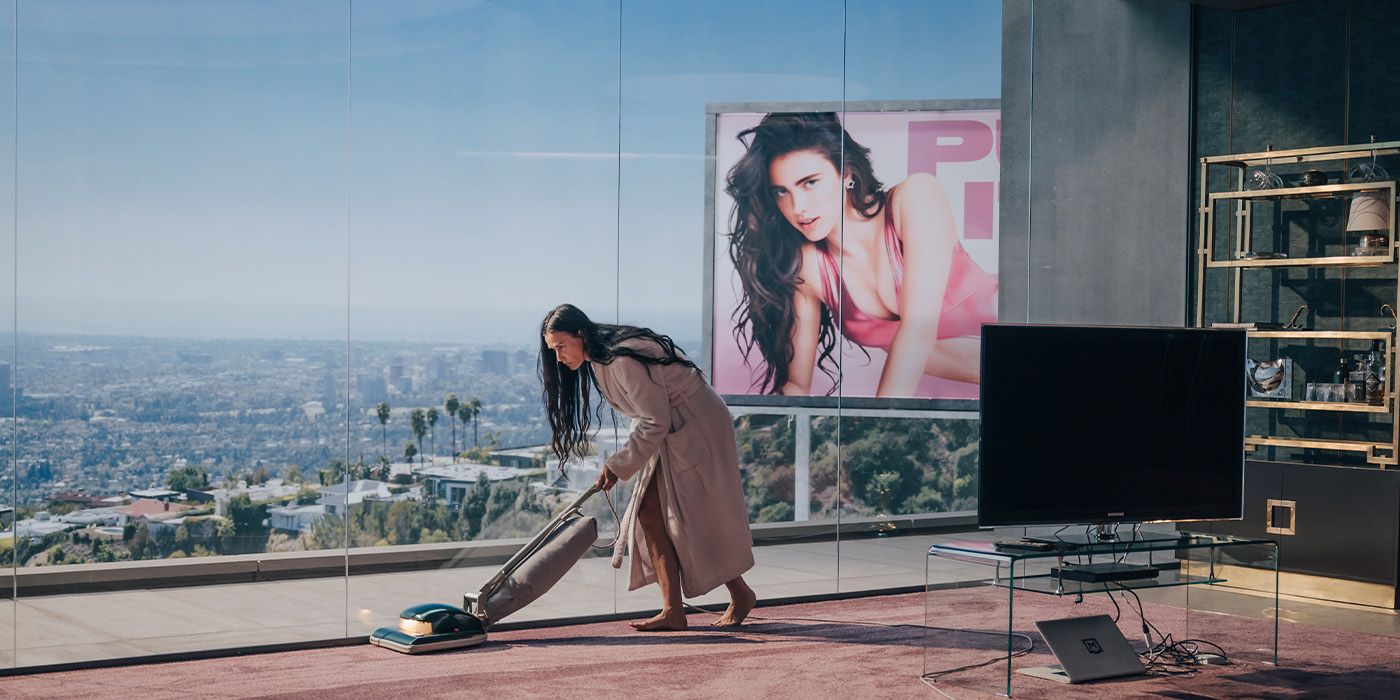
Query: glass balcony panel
692	77
484	194
181	228
922	90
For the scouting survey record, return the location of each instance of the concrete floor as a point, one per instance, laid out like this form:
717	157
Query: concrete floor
58	629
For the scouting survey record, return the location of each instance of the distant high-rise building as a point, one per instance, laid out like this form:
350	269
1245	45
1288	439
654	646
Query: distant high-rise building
404	384
524	361
372	390
395	371
438	370
495	362
330	389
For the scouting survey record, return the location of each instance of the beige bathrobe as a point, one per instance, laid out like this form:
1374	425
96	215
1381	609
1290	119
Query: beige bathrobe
683	435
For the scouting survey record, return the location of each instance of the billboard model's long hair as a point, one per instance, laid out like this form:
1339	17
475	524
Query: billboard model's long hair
767	251
566	391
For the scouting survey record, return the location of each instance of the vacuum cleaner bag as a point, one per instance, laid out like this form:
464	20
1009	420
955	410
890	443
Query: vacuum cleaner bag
537	574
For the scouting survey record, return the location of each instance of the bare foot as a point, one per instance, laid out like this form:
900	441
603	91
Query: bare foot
739	607
673	621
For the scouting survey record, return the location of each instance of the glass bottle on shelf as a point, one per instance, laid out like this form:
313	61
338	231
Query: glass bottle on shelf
1356	382
1375	389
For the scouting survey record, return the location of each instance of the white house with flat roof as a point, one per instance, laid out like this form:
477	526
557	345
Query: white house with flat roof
295	518
454	482
336	497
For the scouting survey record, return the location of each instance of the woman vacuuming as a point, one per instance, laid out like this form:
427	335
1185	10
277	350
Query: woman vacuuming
687	513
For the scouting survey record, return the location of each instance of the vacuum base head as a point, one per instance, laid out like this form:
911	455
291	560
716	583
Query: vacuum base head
393	639
431	627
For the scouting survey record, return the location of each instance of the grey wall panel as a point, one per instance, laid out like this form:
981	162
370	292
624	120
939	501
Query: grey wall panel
1013	261
1108	159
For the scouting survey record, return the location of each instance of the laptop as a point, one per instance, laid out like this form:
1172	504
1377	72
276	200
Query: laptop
1088	648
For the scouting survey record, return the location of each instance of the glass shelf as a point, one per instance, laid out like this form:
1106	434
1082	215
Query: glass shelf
1053	585
1111	549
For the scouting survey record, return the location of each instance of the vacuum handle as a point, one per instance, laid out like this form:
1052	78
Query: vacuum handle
533	545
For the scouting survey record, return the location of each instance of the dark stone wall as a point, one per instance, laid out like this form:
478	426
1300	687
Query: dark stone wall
1299	75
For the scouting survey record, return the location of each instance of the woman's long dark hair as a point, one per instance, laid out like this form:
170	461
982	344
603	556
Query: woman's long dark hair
566	391
767	251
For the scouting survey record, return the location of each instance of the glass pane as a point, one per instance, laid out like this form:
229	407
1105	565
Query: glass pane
9	474
181	229
485	188
695	75
923	88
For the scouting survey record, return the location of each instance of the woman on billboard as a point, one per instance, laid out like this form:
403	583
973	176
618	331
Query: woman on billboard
812	244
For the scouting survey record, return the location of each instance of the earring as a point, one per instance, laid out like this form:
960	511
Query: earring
850	183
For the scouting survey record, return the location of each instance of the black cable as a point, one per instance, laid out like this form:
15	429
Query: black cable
1181	653
1117	611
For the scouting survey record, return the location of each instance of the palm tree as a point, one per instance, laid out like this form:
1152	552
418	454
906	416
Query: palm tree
432	426
475	405
464	414
451	405
419	423
382	410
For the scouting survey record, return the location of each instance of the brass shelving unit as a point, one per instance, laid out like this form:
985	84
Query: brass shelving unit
1238	205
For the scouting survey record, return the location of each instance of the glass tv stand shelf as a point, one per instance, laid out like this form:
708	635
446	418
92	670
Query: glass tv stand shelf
1180	565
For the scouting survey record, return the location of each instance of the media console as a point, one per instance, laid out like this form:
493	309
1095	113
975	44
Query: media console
1171	566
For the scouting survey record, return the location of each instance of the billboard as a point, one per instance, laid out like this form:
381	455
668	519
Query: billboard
870	280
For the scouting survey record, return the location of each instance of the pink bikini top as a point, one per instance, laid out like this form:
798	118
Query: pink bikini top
968	302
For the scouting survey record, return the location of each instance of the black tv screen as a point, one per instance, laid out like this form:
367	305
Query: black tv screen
1098	424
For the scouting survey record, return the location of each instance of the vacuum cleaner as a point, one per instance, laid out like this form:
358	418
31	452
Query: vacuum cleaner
524	578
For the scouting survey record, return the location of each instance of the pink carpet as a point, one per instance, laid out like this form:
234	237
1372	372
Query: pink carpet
775	657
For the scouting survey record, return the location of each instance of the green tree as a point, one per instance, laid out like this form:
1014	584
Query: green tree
248	519
475	403
382	411
140	541
339	471
452	404
225	533
474	508
187	479
775	513
432	426
402	523
418	421
409	451
328	532
182	537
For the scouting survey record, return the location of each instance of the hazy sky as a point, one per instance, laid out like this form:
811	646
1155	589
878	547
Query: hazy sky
239	168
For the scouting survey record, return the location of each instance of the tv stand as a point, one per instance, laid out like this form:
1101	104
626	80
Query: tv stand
1076	574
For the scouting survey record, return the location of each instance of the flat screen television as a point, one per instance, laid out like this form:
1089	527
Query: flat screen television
1105	424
